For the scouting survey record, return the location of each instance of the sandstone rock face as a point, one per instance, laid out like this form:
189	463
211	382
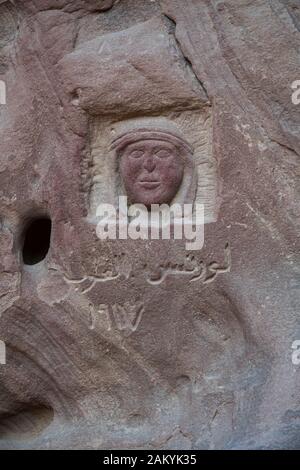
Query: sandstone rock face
142	343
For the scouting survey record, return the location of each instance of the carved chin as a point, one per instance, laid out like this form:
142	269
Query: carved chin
151	195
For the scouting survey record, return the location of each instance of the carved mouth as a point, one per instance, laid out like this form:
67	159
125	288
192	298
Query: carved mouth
150	184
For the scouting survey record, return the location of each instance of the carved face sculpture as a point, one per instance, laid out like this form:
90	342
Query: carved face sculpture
151	167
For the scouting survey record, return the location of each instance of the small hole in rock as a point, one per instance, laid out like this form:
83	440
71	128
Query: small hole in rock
36	241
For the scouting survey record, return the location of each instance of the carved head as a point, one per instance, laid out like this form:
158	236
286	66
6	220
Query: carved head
151	165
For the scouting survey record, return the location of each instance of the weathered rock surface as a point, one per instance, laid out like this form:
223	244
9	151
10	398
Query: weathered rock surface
102	353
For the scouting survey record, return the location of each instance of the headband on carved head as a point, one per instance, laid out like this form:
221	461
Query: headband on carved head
133	136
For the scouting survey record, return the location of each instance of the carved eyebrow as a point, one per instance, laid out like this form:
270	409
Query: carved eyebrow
166	149
137	149
141	146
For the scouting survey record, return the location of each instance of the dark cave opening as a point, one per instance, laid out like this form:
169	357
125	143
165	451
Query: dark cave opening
36	241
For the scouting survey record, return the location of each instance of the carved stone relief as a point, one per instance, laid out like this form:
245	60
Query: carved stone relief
187	134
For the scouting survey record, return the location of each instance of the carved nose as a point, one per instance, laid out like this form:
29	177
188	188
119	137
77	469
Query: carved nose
149	164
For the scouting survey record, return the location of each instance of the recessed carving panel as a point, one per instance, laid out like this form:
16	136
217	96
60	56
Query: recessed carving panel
195	172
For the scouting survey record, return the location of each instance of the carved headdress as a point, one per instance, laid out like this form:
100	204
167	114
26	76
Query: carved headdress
139	134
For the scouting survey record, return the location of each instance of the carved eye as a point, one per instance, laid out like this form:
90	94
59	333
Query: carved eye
136	154
163	153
